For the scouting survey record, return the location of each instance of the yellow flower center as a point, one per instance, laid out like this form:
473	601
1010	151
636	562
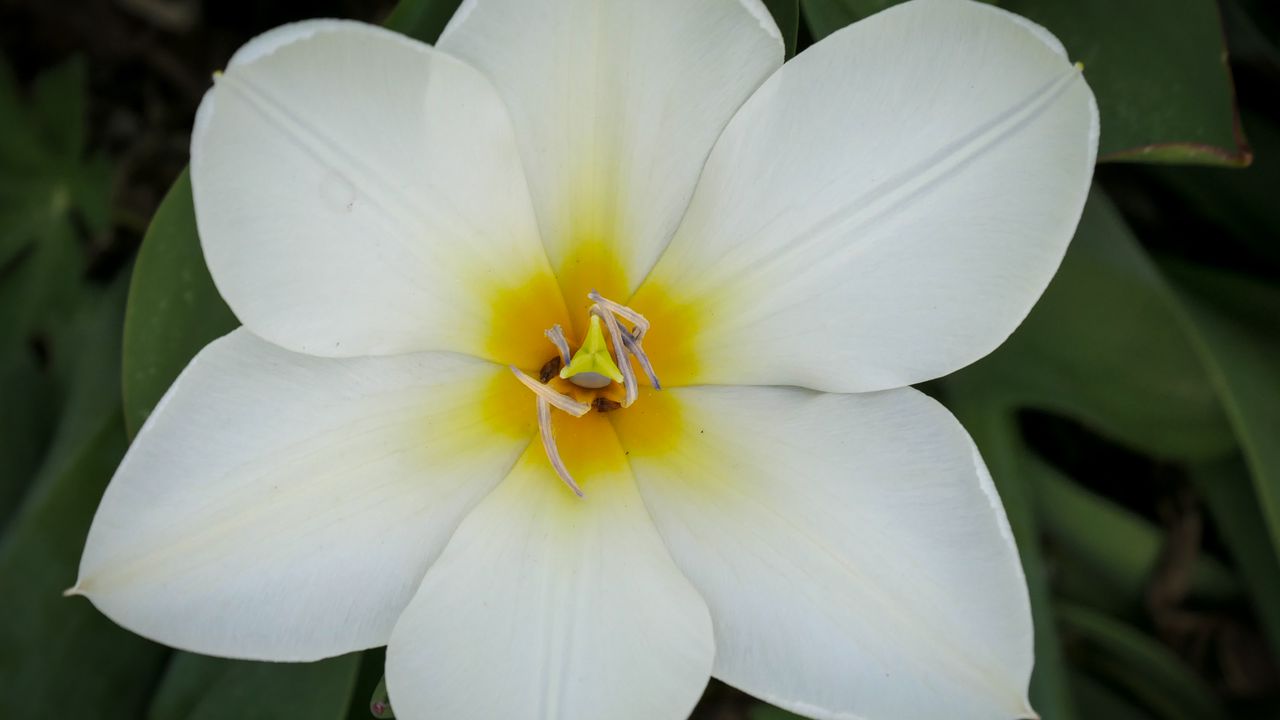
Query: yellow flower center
589	378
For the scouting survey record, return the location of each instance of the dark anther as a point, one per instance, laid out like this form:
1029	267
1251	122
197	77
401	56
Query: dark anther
605	404
549	370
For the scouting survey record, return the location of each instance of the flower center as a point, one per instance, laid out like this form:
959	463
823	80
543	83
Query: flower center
578	382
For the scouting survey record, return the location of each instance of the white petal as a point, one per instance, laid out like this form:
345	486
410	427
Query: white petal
545	605
361	193
279	506
852	549
616	105
885	209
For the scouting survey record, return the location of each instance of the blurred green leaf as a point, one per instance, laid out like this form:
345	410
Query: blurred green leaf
1106	345
1120	549
1144	667
1159	70
61	657
19	146
1099	701
174	308
786	13
58	97
196	687
39	291
1254	30
1157	67
45	184
421	19
80	383
1237	322
25	426
824	17
1228	491
1239	207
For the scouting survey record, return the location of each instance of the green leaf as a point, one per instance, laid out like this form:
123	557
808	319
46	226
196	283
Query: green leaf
174	308
196	687
421	19
786	14
1235	318
39	291
1239	207
824	17
1109	321
1099	701
44	184
1252	38
59	102
1119	549
1157	67
25	426
1159	70
1228	492
19	145
61	657
1145	668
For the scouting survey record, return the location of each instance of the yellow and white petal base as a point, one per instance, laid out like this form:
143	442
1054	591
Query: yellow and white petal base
277	506
852	549
616	105
360	193
885	209
547	606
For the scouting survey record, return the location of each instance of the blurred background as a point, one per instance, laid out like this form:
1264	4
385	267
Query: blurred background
1132	424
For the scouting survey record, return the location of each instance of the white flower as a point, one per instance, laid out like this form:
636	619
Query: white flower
396	224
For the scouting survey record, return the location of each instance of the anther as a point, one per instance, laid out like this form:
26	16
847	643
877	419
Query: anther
633	346
556	335
615	332
563	402
549	370
549	446
637	320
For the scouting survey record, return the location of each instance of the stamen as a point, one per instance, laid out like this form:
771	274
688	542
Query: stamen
628	374
549	445
636	319
563	402
593	366
556	336
549	370
633	346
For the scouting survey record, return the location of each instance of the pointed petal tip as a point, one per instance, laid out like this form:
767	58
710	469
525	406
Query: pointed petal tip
73	591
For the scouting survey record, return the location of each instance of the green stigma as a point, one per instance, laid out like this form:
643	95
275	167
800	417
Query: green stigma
592	364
